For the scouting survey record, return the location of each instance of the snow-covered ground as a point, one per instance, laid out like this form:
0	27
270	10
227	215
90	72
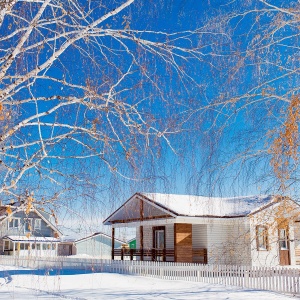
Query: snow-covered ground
19	283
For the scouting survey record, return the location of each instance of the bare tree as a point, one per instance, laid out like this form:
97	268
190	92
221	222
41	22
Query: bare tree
80	85
256	106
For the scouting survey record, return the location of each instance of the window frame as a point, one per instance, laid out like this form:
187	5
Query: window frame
283	239
262	238
37	221
162	229
28	225
13	222
6	245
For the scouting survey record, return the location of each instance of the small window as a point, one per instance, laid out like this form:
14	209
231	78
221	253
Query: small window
13	223
22	246
262	238
6	245
44	246
33	246
53	246
28	225
283	239
38	246
37	224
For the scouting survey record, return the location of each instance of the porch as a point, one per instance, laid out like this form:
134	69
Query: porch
175	242
199	255
24	246
160	235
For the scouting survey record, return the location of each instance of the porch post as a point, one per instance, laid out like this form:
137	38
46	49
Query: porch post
175	244
141	229
112	243
142	242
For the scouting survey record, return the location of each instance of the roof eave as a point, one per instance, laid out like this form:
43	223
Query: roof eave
173	214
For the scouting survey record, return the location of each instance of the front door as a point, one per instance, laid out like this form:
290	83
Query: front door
284	251
159	241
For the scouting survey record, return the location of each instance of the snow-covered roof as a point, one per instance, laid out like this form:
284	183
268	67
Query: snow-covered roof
147	206
99	234
189	205
33	239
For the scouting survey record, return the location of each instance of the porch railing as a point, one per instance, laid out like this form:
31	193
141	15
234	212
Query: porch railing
145	254
199	255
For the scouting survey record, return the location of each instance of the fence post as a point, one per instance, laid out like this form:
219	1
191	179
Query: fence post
161	274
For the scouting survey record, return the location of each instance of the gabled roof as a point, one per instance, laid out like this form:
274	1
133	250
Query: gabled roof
18	207
99	234
194	206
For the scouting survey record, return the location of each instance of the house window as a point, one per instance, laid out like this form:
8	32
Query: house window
262	238
37	224
14	223
6	245
283	239
28	225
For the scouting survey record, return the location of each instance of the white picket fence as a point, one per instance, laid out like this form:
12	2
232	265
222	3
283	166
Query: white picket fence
279	279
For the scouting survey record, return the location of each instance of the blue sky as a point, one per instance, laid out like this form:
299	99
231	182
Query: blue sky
221	148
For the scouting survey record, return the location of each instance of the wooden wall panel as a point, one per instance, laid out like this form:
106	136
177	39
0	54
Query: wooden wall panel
183	242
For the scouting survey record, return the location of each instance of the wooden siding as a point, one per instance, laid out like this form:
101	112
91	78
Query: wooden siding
229	244
148	237
268	257
199	236
274	217
170	236
183	242
170	239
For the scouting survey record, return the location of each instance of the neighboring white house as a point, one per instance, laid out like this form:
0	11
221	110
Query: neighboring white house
98	244
26	232
253	230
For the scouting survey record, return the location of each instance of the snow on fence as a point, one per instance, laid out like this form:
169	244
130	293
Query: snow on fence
279	279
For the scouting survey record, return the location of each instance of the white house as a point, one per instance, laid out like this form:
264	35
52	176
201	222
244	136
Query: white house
27	232
253	230
98	244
